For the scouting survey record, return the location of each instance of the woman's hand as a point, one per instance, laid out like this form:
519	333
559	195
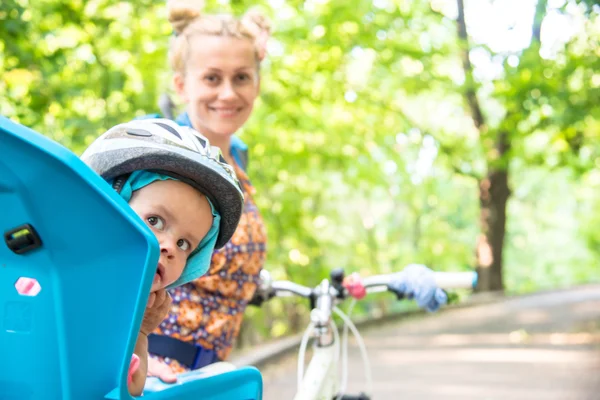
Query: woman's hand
161	370
157	309
417	282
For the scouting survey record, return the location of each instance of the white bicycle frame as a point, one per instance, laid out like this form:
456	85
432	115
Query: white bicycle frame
321	378
320	382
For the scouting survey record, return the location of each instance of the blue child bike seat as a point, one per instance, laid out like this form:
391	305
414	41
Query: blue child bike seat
94	259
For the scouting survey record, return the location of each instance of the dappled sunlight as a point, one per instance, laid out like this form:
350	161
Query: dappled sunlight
574	338
586	308
485	258
467	389
486	356
532	317
486	339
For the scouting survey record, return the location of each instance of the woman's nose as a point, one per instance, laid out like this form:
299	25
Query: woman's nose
227	91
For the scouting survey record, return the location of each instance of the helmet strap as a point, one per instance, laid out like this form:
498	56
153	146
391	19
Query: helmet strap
119	182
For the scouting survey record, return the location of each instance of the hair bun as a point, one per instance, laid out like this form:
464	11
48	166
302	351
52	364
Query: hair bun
256	21
182	12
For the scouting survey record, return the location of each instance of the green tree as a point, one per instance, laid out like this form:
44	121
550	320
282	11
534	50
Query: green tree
556	97
377	140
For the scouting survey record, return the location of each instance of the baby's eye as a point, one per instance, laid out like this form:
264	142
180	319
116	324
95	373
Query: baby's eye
183	244
156	222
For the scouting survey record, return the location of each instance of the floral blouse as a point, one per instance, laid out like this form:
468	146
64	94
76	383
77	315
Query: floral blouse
209	310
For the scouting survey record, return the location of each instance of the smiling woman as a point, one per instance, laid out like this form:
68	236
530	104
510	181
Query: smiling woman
216	60
216	63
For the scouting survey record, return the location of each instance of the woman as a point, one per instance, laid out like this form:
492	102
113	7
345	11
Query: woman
215	61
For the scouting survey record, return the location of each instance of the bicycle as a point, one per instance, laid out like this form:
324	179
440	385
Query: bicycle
320	380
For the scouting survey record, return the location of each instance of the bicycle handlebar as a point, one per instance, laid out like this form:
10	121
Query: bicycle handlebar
282	287
444	280
323	299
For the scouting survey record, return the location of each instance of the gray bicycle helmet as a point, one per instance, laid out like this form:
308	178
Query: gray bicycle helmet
163	146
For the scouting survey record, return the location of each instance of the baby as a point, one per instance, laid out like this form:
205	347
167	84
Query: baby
187	195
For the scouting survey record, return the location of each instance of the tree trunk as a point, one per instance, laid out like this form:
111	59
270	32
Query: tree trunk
493	197
494	191
493	188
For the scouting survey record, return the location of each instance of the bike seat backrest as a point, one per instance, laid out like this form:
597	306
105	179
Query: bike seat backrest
93	263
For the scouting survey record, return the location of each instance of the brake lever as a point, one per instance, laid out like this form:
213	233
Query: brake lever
260	296
336	277
400	295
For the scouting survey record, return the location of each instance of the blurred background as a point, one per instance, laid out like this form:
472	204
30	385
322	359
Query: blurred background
458	134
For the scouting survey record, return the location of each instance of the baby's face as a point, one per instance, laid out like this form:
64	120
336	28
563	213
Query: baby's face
180	217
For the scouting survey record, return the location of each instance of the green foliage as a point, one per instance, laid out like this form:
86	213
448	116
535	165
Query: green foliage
73	69
362	150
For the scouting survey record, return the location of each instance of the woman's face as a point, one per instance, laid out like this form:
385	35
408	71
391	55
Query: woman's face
220	84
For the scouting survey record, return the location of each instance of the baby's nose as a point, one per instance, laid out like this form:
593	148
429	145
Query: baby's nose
167	249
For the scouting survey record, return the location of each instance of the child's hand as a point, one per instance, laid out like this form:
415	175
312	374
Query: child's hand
161	371
156	310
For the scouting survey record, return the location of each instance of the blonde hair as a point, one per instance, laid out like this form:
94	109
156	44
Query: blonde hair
187	20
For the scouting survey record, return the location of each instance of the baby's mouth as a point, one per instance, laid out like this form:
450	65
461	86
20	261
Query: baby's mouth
160	273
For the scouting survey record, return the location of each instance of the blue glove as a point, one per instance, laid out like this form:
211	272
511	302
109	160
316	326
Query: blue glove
417	282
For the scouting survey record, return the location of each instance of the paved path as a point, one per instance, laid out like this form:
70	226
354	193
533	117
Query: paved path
544	346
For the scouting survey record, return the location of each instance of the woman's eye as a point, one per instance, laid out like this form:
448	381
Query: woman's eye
183	244
156	222
243	77
211	78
